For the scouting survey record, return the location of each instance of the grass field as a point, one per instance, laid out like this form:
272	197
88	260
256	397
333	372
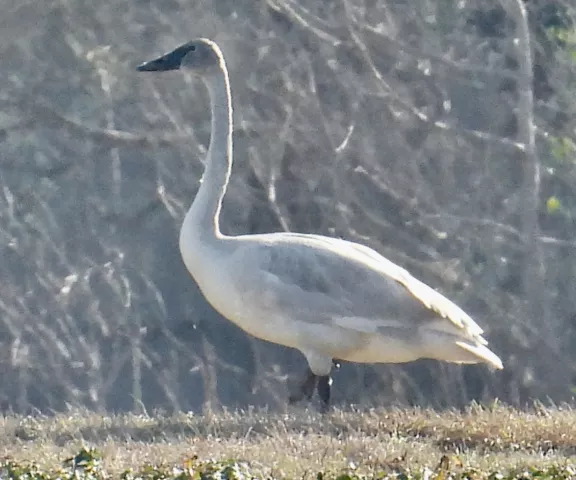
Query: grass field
496	443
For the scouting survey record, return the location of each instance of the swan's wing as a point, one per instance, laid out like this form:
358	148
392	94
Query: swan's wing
319	279
319	286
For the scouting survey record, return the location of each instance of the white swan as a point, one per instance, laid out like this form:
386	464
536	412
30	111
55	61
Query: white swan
328	298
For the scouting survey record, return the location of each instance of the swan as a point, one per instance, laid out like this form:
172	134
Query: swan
327	297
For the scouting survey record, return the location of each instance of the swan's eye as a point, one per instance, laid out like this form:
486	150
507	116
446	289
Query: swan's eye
193	48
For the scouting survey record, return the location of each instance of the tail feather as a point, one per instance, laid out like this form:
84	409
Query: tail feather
483	353
458	347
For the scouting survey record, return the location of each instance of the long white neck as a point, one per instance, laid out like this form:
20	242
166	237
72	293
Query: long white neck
201	221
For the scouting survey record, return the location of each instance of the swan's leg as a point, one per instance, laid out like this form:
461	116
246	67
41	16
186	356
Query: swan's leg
323	388
306	388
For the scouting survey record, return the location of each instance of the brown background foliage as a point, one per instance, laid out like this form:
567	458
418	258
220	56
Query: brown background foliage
401	125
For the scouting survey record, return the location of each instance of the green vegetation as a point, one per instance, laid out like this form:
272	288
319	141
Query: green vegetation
478	443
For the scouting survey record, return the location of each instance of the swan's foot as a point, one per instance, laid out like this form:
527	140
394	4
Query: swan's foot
323	388
306	388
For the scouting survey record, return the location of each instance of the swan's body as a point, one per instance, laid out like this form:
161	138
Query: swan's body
328	298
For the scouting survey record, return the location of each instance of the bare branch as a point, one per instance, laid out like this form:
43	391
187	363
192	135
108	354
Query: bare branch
387	91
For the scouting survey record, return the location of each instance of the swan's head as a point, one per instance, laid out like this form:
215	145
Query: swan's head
200	56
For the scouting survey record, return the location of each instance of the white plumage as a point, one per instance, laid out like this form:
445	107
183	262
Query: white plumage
328	298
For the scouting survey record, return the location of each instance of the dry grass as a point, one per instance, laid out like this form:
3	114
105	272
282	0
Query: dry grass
302	443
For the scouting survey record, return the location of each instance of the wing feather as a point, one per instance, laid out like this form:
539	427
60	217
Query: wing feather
324	278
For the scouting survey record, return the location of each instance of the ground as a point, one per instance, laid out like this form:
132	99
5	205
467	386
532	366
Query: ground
480	442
